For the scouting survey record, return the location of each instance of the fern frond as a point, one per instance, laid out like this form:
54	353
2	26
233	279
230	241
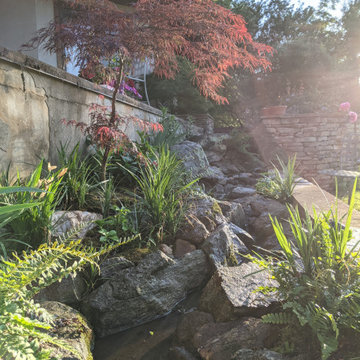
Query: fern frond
283	318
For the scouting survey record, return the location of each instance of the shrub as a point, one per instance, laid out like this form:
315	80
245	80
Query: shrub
318	275
281	183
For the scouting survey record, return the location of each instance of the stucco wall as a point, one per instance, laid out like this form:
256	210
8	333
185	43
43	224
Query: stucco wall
320	142
35	97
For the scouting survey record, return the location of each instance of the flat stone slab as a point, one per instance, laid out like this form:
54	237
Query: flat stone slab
341	173
309	196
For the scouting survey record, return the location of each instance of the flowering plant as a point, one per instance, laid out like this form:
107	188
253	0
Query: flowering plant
345	107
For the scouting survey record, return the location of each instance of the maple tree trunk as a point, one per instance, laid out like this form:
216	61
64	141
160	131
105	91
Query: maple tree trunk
116	89
104	163
118	80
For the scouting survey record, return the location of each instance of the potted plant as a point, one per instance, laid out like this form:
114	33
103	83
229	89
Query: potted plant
274	110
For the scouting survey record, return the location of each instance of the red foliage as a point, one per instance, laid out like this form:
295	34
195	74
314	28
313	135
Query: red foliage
211	37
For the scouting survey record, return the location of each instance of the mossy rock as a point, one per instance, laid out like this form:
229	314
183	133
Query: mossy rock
72	328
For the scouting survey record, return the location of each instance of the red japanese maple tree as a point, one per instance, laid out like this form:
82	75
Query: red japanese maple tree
103	39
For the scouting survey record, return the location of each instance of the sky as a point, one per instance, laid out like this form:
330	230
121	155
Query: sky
315	3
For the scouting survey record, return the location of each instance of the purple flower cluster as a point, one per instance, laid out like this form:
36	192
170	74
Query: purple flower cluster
345	107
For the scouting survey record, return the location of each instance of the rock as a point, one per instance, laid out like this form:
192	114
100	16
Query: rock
214	175
193	157
214	157
193	230
233	212
260	205
207	207
166	249
241	191
259	221
188	326
248	354
69	290
219	191
249	333
231	292
180	353
246	178
65	222
243	235
110	267
72	328
216	142
145	292
224	247
183	247
229	168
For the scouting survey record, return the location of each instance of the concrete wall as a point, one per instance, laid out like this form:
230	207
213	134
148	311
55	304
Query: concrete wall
320	142
35	97
19	21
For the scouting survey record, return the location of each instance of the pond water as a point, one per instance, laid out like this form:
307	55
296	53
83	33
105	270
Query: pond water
151	341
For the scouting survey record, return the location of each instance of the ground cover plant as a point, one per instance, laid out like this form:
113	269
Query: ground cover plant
318	278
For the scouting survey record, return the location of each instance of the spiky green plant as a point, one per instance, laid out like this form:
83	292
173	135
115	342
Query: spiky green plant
162	193
281	183
32	225
79	181
9	212
23	323
318	274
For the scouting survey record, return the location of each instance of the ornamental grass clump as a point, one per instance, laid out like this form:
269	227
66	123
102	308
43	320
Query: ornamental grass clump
318	277
279	184
162	193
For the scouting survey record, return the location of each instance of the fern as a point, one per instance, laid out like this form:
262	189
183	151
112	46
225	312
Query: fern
282	318
23	323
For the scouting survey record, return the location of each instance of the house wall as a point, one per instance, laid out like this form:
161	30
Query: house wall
320	142
19	21
35	97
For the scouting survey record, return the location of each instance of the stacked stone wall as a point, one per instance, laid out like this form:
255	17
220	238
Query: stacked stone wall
320	142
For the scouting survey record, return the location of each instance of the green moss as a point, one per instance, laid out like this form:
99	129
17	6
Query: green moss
216	208
136	255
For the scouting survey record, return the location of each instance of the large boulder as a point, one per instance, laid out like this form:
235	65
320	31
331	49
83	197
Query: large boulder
145	292
232	292
224	247
68	222
193	157
72	328
249	354
248	333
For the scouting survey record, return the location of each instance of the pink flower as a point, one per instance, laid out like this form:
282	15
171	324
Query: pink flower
101	97
353	116
345	106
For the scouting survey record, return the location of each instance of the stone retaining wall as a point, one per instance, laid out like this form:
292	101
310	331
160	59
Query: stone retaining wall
34	97
320	142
